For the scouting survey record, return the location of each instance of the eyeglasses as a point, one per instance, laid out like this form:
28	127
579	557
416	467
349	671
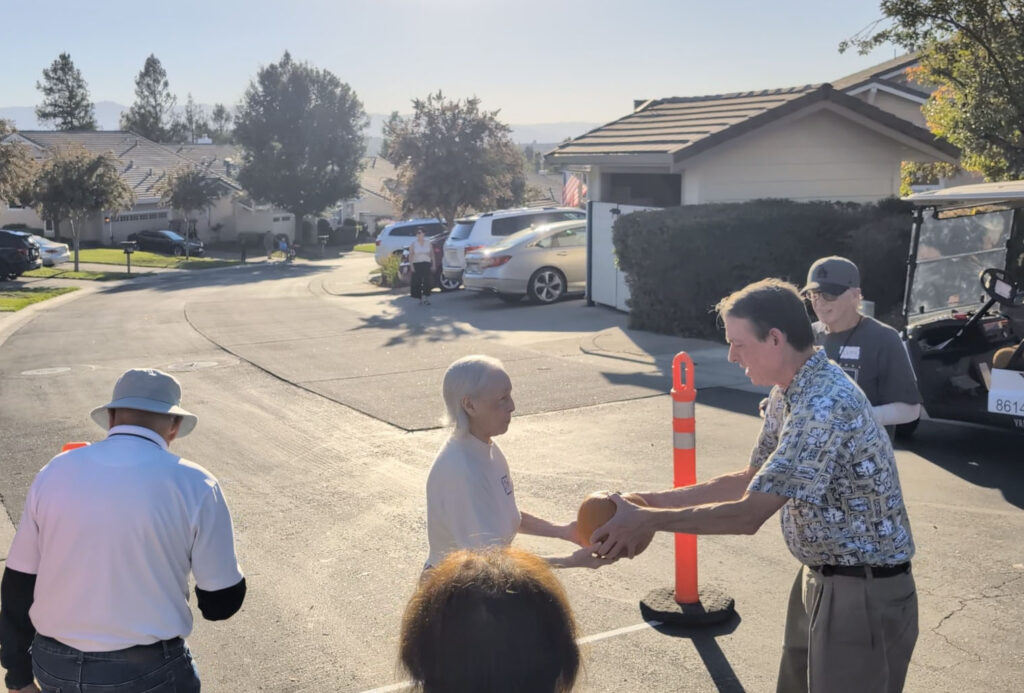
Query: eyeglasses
814	295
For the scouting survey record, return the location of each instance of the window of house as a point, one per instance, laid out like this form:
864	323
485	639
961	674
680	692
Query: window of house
645	189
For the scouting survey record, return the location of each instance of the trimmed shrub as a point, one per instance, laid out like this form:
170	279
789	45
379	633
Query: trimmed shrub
681	261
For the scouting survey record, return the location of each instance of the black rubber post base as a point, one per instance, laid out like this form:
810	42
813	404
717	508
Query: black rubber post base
714	607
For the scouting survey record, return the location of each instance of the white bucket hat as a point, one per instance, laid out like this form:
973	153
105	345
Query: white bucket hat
147	389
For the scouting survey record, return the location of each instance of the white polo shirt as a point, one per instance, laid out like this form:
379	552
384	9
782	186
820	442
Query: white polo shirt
471	502
112	531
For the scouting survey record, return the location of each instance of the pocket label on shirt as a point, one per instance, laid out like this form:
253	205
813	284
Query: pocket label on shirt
506	484
851	353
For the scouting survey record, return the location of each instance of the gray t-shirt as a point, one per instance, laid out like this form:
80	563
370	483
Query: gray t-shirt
874	356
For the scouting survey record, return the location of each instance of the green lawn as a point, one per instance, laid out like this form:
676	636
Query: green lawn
141	258
365	248
17	299
60	273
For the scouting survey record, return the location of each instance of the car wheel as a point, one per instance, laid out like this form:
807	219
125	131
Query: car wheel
448	284
178	251
547	285
511	298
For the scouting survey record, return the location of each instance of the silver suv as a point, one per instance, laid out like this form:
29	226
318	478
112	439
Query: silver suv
489	228
395	238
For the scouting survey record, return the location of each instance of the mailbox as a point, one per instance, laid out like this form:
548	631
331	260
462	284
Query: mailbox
129	247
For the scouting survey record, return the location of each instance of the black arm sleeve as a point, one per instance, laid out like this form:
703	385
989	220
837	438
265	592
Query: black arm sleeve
17	591
218	605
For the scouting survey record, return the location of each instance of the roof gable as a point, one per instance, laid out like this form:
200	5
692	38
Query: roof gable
670	130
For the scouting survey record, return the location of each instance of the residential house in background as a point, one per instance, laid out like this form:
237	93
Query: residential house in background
144	165
805	143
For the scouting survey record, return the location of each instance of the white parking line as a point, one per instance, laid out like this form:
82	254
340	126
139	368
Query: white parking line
582	641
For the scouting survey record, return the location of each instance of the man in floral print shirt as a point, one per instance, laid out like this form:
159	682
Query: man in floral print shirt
826	462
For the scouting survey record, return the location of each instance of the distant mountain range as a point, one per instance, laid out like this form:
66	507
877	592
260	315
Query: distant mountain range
108	115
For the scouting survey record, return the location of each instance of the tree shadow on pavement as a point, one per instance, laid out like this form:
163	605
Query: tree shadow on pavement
715	661
986	457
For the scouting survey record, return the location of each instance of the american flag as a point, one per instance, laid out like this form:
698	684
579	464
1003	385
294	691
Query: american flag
574	191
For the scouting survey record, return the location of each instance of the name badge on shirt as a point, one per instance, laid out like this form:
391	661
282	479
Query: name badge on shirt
850	353
506	484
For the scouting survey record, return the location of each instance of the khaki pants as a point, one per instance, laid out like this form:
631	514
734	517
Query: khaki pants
848	634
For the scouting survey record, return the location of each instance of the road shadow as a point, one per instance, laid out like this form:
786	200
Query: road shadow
719	397
455	314
228	276
715	661
982	456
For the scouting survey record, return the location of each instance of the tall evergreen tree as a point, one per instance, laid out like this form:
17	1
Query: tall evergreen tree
152	114
301	129
194	121
66	101
220	121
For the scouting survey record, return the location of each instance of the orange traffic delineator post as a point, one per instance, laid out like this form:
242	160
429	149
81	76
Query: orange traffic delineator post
685	603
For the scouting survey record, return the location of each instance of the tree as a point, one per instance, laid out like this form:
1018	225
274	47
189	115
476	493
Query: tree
74	184
66	101
301	130
970	52
194	121
190	190
152	114
452	157
17	167
220	121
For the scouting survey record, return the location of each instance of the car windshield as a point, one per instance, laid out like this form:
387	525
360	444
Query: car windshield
462	230
951	253
173	236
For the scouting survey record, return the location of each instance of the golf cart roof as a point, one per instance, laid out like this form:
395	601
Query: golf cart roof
987	193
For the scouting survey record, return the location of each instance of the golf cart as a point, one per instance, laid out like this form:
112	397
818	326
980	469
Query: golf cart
964	303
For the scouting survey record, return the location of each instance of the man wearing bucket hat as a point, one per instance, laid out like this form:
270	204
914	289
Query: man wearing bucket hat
870	352
96	580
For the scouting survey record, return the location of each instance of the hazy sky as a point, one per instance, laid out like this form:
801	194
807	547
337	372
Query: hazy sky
536	61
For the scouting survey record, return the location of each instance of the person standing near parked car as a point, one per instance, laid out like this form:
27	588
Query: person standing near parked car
870	352
421	257
268	243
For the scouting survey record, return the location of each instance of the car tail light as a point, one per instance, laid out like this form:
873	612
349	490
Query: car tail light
471	248
23	251
496	260
377	243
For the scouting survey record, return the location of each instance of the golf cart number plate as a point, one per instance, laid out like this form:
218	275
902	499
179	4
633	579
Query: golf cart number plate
1006	396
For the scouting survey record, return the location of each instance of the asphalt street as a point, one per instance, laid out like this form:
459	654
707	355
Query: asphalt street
319	403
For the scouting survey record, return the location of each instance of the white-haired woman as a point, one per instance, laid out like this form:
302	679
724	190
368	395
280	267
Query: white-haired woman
471	502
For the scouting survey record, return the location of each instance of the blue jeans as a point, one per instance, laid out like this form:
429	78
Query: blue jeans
163	667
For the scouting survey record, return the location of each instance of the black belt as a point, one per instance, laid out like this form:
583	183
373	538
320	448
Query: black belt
878	571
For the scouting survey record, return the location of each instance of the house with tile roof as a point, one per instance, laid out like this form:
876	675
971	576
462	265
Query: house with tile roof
144	165
813	142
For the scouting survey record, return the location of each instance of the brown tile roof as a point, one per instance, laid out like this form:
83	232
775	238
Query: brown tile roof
876	72
684	127
143	163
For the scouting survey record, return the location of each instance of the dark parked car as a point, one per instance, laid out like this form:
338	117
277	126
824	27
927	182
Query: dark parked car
166	241
17	254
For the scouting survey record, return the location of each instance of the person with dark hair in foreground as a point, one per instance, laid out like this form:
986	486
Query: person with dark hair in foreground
825	460
95	590
495	620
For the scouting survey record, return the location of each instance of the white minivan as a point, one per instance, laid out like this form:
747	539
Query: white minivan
394	238
487	229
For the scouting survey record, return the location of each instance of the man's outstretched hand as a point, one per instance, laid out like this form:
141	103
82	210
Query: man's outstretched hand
626	534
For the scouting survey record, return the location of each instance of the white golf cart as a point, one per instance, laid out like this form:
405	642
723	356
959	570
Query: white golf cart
964	303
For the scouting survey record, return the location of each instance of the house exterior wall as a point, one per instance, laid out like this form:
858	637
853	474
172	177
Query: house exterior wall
258	221
822	156
898	106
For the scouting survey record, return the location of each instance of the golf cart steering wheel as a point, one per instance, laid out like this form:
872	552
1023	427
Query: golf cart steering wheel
1000	288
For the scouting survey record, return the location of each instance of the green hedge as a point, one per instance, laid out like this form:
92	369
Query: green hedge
680	261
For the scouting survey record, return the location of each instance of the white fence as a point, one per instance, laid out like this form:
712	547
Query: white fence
606	282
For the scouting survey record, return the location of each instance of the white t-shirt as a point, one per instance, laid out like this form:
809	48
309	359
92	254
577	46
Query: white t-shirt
420	252
112	531
471	502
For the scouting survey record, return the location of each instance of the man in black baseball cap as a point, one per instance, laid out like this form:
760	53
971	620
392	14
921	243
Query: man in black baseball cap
870	352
